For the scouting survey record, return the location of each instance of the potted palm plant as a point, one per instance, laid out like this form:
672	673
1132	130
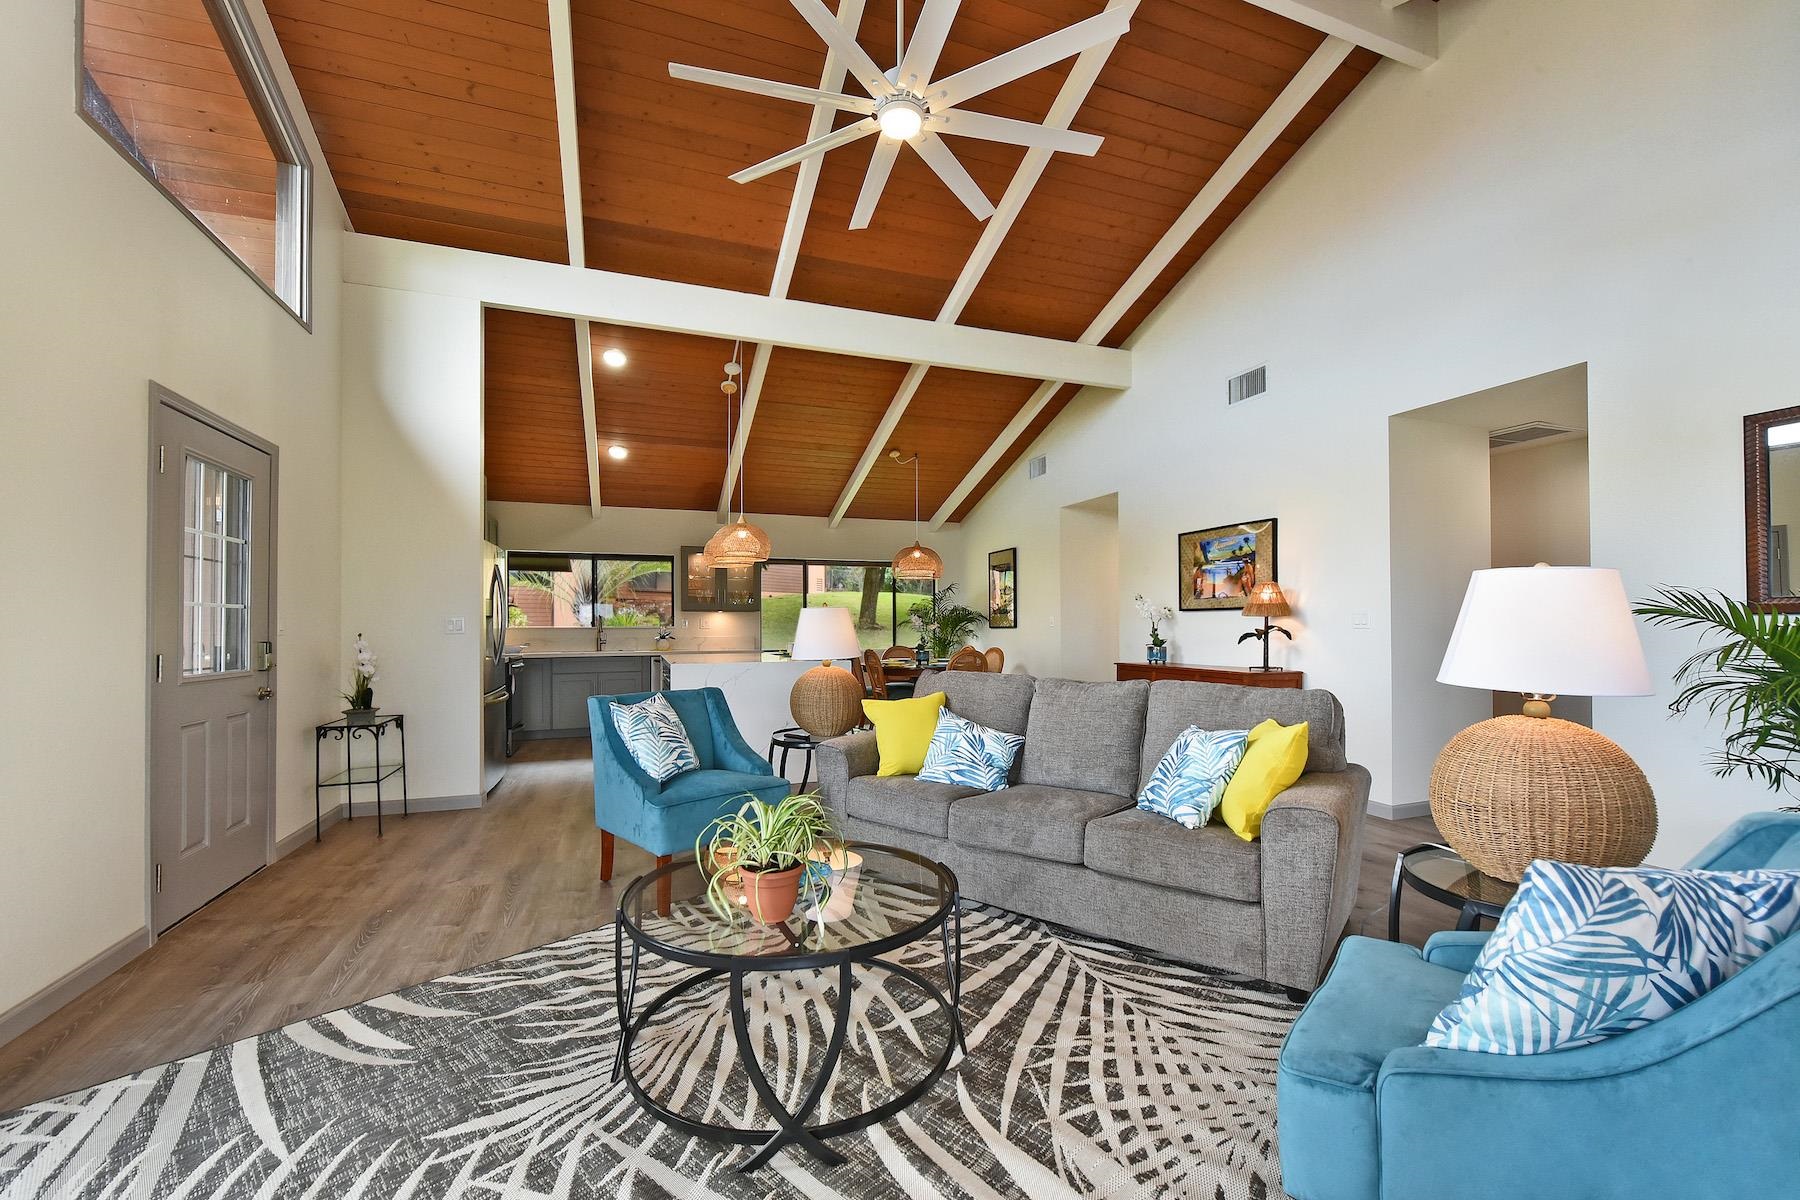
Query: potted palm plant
944	625
1750	677
765	848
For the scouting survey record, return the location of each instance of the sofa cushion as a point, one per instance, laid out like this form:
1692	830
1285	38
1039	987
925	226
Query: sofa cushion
904	802
1000	702
1035	821
1087	736
738	786
1174	705
1210	860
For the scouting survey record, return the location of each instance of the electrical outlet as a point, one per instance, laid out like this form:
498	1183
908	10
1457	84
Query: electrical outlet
1359	618
453	625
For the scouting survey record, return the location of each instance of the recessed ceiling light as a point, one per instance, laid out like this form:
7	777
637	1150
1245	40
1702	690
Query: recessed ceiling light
614	357
616	452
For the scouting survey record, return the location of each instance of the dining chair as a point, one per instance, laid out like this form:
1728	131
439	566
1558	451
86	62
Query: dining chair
967	659
875	679
861	676
898	651
996	659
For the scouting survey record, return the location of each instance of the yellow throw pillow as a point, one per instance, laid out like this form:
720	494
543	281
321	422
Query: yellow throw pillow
1275	758
903	730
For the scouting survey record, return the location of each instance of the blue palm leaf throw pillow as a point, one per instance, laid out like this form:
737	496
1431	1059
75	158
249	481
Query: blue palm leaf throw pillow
1583	954
1189	781
657	739
972	755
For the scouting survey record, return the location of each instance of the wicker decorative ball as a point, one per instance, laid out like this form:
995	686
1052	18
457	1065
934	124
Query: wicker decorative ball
826	701
1512	789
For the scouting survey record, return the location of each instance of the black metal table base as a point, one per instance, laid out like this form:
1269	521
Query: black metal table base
348	732
791	1127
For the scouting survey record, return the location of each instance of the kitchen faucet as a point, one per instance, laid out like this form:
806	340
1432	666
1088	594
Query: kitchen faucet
599	635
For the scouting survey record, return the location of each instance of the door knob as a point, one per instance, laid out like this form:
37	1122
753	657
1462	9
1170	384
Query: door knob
263	693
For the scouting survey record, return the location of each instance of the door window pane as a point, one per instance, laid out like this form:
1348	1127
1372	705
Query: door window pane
215	569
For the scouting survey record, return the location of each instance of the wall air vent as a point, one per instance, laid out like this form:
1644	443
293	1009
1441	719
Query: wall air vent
1253	382
1518	435
1036	467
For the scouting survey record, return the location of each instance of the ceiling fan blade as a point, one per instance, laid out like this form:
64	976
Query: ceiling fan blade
886	151
1018	133
769	87
831	31
937	156
830	141
1033	56
927	43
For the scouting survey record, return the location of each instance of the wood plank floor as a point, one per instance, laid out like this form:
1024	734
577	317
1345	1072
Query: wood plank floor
352	918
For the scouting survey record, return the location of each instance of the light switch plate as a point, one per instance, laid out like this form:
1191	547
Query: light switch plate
1359	619
453	625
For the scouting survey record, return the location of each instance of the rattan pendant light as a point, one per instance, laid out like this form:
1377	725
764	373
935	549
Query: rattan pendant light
738	543
916	561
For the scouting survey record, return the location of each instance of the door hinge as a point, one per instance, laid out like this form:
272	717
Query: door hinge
159	879
159	668
162	459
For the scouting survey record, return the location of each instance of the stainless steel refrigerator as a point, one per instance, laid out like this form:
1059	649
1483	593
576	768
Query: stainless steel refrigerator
496	681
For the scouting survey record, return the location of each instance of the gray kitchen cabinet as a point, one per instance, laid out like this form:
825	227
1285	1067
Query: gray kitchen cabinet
554	691
531	697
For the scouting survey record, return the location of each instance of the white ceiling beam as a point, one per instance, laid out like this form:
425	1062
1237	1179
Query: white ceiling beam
1069	99
568	138
1406	33
896	409
831	79
611	297
1300	89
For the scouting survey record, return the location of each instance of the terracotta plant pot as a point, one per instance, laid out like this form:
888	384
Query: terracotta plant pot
770	895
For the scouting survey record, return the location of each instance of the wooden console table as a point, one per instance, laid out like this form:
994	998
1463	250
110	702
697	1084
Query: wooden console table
1242	676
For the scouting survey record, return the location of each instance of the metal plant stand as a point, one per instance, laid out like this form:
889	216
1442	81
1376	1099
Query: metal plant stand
352	776
893	898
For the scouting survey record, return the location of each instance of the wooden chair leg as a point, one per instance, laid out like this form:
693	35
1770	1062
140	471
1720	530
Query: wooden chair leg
606	856
665	887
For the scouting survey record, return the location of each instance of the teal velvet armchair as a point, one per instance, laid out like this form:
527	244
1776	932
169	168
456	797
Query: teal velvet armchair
664	817
1703	1103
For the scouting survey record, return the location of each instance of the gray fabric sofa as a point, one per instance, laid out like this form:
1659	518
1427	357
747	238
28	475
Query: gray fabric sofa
1066	842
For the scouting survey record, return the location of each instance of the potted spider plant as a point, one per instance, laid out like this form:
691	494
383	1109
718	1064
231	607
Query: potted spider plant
765	848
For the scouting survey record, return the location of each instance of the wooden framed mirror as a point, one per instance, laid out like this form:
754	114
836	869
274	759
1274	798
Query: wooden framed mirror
1772	508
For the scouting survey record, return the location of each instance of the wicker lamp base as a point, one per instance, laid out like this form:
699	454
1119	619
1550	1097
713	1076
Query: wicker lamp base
826	701
1512	789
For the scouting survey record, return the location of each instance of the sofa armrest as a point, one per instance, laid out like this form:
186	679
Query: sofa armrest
1311	847
843	759
1456	950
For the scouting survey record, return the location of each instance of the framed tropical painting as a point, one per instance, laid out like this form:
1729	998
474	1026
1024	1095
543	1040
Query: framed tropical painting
1218	567
1003	589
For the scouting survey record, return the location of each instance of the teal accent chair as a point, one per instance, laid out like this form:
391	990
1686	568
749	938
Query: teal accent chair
1699	1104
665	817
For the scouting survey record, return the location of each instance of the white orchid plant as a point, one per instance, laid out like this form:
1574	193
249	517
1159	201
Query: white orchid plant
1156	614
362	676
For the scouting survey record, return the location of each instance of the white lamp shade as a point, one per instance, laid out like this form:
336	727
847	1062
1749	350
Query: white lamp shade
825	634
1556	631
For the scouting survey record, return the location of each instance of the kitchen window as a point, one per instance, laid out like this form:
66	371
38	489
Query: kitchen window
879	604
183	90
579	591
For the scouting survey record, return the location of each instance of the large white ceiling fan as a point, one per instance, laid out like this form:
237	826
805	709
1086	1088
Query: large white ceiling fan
906	106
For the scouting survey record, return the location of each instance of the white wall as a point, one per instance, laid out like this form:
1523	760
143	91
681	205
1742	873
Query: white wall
109	286
412	530
1540	504
1089	589
1565	185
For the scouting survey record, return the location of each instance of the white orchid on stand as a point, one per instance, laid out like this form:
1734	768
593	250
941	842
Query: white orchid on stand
1158	649
361	696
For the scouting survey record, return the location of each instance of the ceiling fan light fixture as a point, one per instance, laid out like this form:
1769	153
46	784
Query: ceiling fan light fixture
901	116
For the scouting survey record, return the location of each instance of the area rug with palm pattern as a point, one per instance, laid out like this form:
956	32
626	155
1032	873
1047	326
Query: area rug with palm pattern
1090	1071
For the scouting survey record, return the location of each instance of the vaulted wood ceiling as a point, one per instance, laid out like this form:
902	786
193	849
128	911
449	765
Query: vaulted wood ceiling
438	119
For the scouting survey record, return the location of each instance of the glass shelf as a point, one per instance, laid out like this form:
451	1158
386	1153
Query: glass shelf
367	773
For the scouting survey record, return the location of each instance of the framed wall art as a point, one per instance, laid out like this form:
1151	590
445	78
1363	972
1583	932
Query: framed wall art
1218	567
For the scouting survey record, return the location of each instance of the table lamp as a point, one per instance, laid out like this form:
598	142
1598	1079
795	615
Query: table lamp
827	700
1267	602
1516	788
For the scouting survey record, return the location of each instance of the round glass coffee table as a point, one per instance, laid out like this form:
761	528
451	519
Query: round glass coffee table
1444	875
884	899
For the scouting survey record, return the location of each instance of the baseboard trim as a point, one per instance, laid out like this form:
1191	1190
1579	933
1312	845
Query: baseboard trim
46	1000
390	808
1400	812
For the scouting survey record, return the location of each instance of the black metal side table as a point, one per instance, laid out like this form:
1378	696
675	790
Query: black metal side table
350	732
1444	875
790	739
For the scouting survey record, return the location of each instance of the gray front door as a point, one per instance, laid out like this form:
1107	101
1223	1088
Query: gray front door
212	678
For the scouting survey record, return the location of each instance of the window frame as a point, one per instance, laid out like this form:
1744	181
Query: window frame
294	165
806	564
593	595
